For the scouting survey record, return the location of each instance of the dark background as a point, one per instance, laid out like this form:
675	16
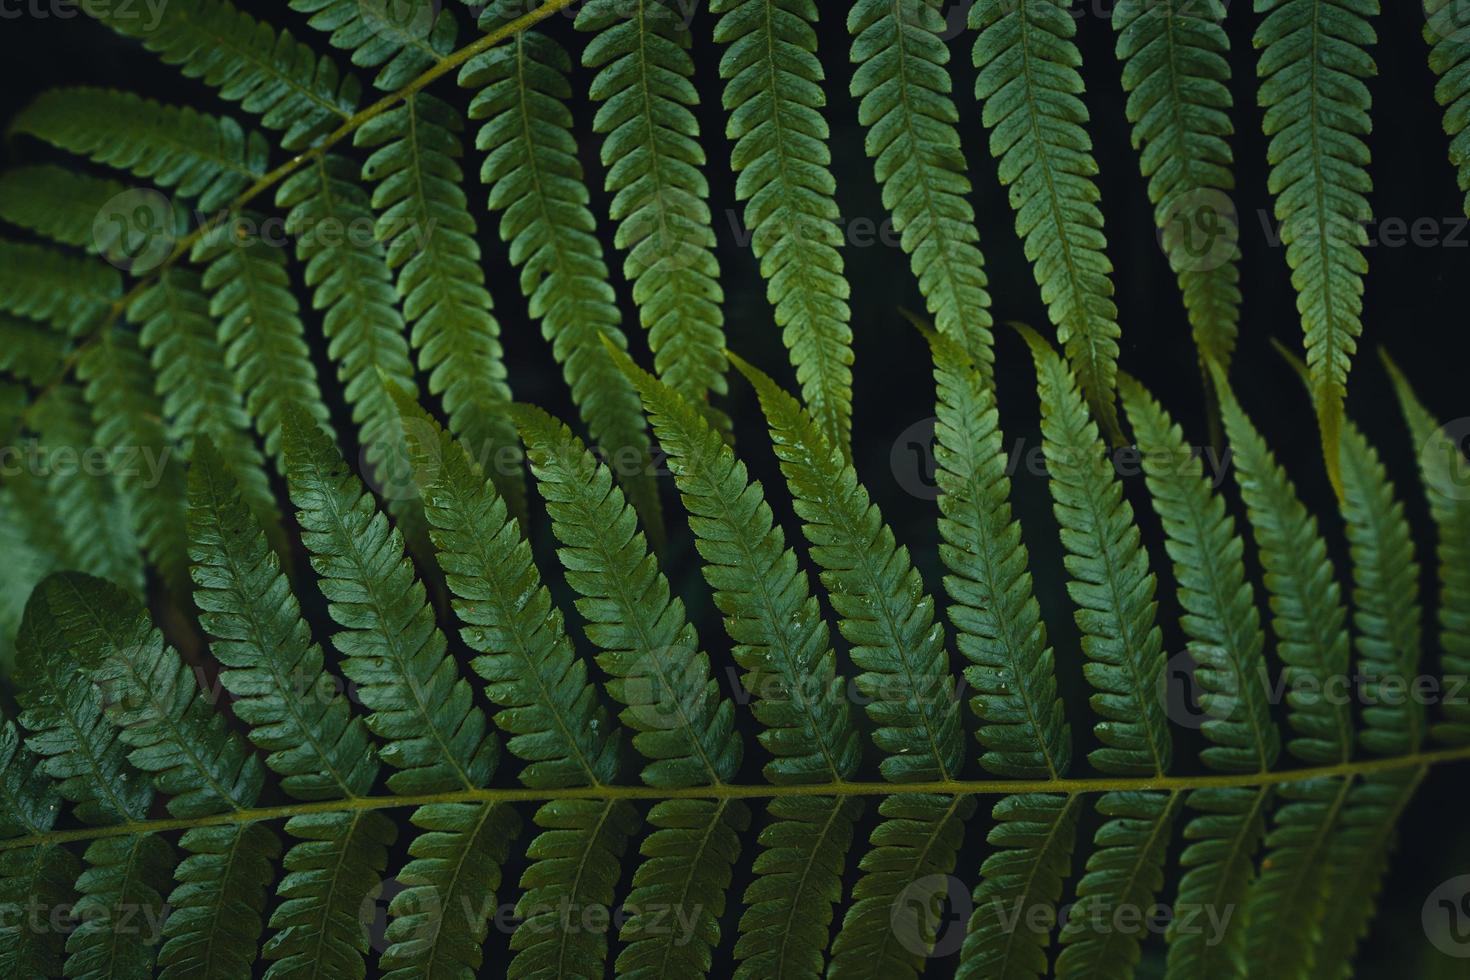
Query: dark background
1410	310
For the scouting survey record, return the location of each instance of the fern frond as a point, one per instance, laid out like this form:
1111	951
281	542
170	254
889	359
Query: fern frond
176	736
80	749
269	73
60	204
782	644
996	618
435	735
1114	592
175	147
1357	863
329	217
1220	617
1029	86
906	106
1386	608
1111	583
1308	617
214	920
685	873
153	698
425	223
1312	67
439	920
329	874
658	672
271	667
888	619
403	38
125	877
886	615
199	398
1445	474
650	650
1449	58
536	180
655	173
576	865
1177	75
43	873
1034	835
526	658
259	325
128	419
773	93
70	292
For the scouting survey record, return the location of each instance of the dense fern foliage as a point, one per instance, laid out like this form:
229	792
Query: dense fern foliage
350	661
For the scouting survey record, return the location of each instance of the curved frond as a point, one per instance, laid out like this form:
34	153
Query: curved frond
269	73
1313	67
1030	88
70	292
655	173
1308	617
402	37
128	418
1110	580
425	223
1177	75
60	204
174	147
259	325
199	397
886	615
782	644
903	82
773	93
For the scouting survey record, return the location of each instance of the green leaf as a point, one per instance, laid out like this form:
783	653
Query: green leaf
174	147
886	615
259	325
425	223
1308	617
1176	71
910	115
1313	67
1449	58
773	93
269	73
655	173
1030	88
72	293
